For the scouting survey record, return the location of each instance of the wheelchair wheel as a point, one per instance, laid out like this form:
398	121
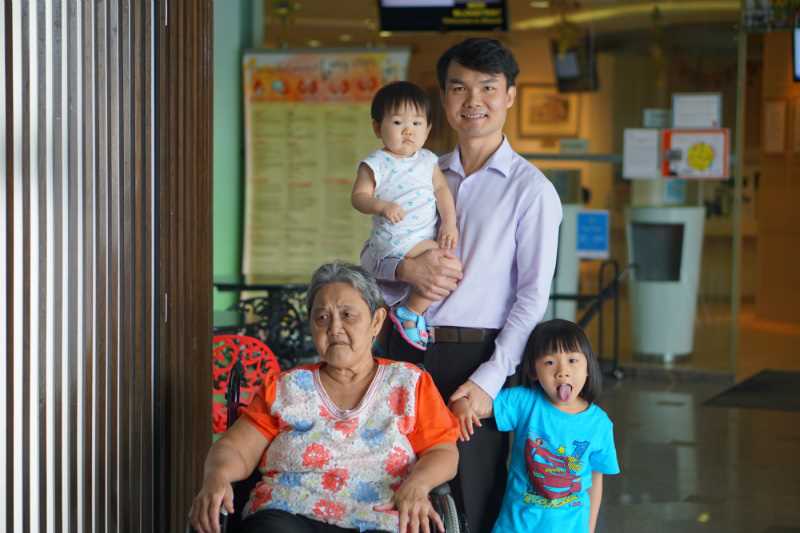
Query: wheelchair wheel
446	507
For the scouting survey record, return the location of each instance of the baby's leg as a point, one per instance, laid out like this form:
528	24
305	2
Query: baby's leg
416	302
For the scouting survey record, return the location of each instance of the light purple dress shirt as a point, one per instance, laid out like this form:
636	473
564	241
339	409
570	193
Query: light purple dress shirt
508	215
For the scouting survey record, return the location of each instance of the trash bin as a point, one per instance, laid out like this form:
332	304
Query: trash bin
664	245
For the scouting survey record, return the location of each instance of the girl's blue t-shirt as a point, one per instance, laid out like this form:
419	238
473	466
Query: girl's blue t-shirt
552	460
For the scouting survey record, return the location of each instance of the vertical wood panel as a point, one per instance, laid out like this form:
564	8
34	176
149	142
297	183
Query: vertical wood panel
778	283
105	263
59	175
77	267
6	219
184	126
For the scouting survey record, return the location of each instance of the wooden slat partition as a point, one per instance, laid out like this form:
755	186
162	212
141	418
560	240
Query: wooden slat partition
105	262
185	144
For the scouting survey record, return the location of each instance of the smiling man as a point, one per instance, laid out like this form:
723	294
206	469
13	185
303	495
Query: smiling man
494	289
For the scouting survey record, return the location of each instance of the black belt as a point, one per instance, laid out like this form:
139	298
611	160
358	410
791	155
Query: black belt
456	334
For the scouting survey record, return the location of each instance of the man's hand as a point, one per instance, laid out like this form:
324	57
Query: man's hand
479	399
434	274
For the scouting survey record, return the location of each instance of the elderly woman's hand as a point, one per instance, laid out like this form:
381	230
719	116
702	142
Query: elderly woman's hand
216	492
411	502
414	509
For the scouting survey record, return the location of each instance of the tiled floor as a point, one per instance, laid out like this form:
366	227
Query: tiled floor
761	344
690	468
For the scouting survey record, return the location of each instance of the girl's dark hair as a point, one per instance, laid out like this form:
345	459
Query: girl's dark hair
482	54
396	95
562	336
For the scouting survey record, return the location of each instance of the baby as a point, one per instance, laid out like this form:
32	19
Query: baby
402	187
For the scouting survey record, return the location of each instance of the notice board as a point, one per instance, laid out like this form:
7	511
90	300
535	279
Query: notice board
307	124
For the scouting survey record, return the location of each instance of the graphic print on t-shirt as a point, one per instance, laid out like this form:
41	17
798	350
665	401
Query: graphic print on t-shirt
553	474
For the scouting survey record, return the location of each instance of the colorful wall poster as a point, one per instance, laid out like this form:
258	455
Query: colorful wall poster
696	154
307	124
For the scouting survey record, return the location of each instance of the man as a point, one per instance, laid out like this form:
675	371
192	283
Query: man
508	215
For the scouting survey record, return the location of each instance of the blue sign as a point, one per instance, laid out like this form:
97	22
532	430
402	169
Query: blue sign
593	234
674	191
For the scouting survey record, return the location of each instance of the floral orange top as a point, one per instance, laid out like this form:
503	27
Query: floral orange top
334	465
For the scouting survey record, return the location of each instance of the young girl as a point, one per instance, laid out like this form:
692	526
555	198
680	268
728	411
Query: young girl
563	442
402	187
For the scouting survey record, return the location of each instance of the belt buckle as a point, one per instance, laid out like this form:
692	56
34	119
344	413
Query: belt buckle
431	334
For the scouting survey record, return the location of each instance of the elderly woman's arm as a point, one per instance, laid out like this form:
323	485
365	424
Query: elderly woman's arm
231	458
434	466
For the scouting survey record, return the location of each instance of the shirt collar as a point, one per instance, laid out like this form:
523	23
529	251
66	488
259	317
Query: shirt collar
499	161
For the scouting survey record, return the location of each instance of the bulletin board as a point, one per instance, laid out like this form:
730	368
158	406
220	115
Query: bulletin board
307	124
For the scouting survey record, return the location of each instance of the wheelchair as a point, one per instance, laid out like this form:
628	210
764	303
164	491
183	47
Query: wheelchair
441	498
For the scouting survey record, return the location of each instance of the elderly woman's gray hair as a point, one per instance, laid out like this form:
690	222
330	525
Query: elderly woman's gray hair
355	276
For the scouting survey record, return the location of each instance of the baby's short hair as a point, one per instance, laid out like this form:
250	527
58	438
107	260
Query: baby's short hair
397	94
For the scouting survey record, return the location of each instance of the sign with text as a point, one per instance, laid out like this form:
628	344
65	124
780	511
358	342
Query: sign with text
640	158
307	125
593	234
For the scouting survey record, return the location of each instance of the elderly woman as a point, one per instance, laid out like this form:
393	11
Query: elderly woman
353	443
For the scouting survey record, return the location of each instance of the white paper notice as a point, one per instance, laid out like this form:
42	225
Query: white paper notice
699	110
640	154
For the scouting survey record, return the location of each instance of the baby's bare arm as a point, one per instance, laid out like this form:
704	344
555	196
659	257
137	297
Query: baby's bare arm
448	231
444	199
363	197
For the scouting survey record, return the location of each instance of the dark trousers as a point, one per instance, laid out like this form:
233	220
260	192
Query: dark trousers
479	485
275	521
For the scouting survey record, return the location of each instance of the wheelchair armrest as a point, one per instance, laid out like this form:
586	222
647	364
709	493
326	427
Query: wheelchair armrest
445	506
441	490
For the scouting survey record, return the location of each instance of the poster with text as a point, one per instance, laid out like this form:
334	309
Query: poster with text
307	125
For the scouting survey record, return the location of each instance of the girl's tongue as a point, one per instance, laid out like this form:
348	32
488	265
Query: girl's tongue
564	392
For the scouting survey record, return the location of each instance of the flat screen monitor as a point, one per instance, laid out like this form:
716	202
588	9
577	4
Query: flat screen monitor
442	15
796	52
576	67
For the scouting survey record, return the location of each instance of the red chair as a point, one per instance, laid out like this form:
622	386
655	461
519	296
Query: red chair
237	353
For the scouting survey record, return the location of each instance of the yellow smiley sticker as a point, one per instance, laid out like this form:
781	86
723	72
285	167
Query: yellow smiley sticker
700	156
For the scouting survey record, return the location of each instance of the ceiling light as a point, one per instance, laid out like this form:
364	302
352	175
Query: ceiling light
541	4
313	43
345	37
644	8
385	34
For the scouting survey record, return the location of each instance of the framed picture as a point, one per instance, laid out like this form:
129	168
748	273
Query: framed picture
544	112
